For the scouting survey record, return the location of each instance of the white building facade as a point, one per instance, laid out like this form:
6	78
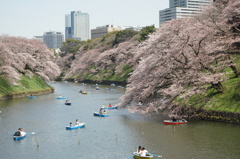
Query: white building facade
53	39
182	9
77	26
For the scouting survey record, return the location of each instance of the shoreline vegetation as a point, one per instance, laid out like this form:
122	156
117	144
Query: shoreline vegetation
25	87
23	94
103	82
193	113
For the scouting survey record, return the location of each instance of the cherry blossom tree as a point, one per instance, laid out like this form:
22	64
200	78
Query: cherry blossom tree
185	57
20	56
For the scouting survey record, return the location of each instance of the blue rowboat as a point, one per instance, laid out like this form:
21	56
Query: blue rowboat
110	107
32	97
19	137
75	127
60	97
101	115
68	103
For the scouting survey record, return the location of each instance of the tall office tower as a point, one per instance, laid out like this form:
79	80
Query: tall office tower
182	9
53	39
77	26
68	34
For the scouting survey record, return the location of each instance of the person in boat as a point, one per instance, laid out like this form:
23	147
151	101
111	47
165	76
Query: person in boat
174	119
100	111
77	122
110	105
139	149
70	124
104	112
20	132
143	152
67	101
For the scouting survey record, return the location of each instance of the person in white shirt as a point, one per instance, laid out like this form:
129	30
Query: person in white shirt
143	152
77	122
22	132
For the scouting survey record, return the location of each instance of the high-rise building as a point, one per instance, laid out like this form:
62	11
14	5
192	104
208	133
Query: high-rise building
77	26
68	34
100	31
53	39
182	9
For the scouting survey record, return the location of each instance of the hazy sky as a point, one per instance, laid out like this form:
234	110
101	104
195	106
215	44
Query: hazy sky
28	18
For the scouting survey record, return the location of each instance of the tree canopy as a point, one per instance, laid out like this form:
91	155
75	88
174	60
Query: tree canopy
186	57
20	56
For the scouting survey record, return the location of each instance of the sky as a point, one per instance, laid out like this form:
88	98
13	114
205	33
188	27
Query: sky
28	18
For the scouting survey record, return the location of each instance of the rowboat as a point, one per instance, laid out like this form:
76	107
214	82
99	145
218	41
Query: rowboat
110	107
19	137
177	122
32	97
136	156
84	92
101	115
68	103
76	126
112	84
60	97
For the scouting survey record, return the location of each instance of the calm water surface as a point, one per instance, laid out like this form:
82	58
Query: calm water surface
115	137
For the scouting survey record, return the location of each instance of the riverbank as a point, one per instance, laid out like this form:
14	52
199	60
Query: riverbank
24	94
25	87
103	82
209	115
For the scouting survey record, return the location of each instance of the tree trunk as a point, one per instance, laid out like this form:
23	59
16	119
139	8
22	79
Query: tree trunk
218	87
235	71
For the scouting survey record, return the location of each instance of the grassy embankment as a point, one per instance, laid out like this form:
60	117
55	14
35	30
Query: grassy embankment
225	105
25	87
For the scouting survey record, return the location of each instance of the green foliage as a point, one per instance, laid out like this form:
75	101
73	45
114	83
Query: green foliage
146	31
26	84
91	44
72	45
109	39
107	74
228	101
123	35
5	86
